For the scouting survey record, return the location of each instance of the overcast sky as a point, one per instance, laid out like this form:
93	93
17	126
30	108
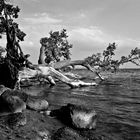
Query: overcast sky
91	24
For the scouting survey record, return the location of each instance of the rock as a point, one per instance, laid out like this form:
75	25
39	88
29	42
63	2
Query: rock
16	120
37	104
14	103
7	91
78	116
10	101
66	133
82	117
43	135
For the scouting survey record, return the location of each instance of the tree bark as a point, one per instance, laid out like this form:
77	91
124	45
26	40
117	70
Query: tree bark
49	72
65	63
41	59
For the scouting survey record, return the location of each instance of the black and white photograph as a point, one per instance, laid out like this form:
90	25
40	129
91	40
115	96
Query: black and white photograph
69	69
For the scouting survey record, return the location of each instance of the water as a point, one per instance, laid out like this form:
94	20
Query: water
116	101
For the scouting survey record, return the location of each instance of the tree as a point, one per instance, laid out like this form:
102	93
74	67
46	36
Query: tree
14	58
2	50
105	60
55	47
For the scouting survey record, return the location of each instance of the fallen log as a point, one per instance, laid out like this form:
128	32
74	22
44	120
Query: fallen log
46	72
66	63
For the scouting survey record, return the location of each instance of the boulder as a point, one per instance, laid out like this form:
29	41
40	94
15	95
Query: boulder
78	116
7	91
66	133
14	103
37	104
82	117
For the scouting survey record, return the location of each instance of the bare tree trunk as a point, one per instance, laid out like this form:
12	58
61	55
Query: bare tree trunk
41	59
49	72
72	83
65	63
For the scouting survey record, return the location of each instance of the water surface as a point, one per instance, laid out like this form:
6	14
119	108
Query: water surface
116	101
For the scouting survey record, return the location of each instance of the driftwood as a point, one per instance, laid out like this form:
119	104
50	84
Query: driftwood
52	70
48	72
65	63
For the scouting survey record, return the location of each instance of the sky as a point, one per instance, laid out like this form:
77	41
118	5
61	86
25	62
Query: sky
91	25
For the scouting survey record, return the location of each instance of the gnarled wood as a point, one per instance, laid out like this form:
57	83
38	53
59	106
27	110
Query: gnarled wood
41	59
27	73
66	63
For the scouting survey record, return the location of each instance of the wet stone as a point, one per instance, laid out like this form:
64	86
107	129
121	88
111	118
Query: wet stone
78	116
37	104
66	133
83	117
14	103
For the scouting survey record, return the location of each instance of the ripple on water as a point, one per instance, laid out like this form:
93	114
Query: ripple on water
117	102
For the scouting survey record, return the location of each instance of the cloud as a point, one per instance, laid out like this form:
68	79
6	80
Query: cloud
89	35
42	18
86	39
125	45
25	1
128	42
96	35
27	43
89	40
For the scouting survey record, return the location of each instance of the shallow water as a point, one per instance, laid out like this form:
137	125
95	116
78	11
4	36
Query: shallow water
116	101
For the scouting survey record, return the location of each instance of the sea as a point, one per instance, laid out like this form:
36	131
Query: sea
116	101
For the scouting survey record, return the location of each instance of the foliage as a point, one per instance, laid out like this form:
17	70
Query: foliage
8	12
56	46
105	60
14	58
94	60
133	57
14	35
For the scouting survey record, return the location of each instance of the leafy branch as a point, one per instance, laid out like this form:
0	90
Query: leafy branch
57	47
105	60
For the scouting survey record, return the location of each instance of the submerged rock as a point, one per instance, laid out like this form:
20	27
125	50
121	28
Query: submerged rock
37	104
66	133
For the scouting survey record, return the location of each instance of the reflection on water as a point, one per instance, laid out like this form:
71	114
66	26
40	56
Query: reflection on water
116	100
